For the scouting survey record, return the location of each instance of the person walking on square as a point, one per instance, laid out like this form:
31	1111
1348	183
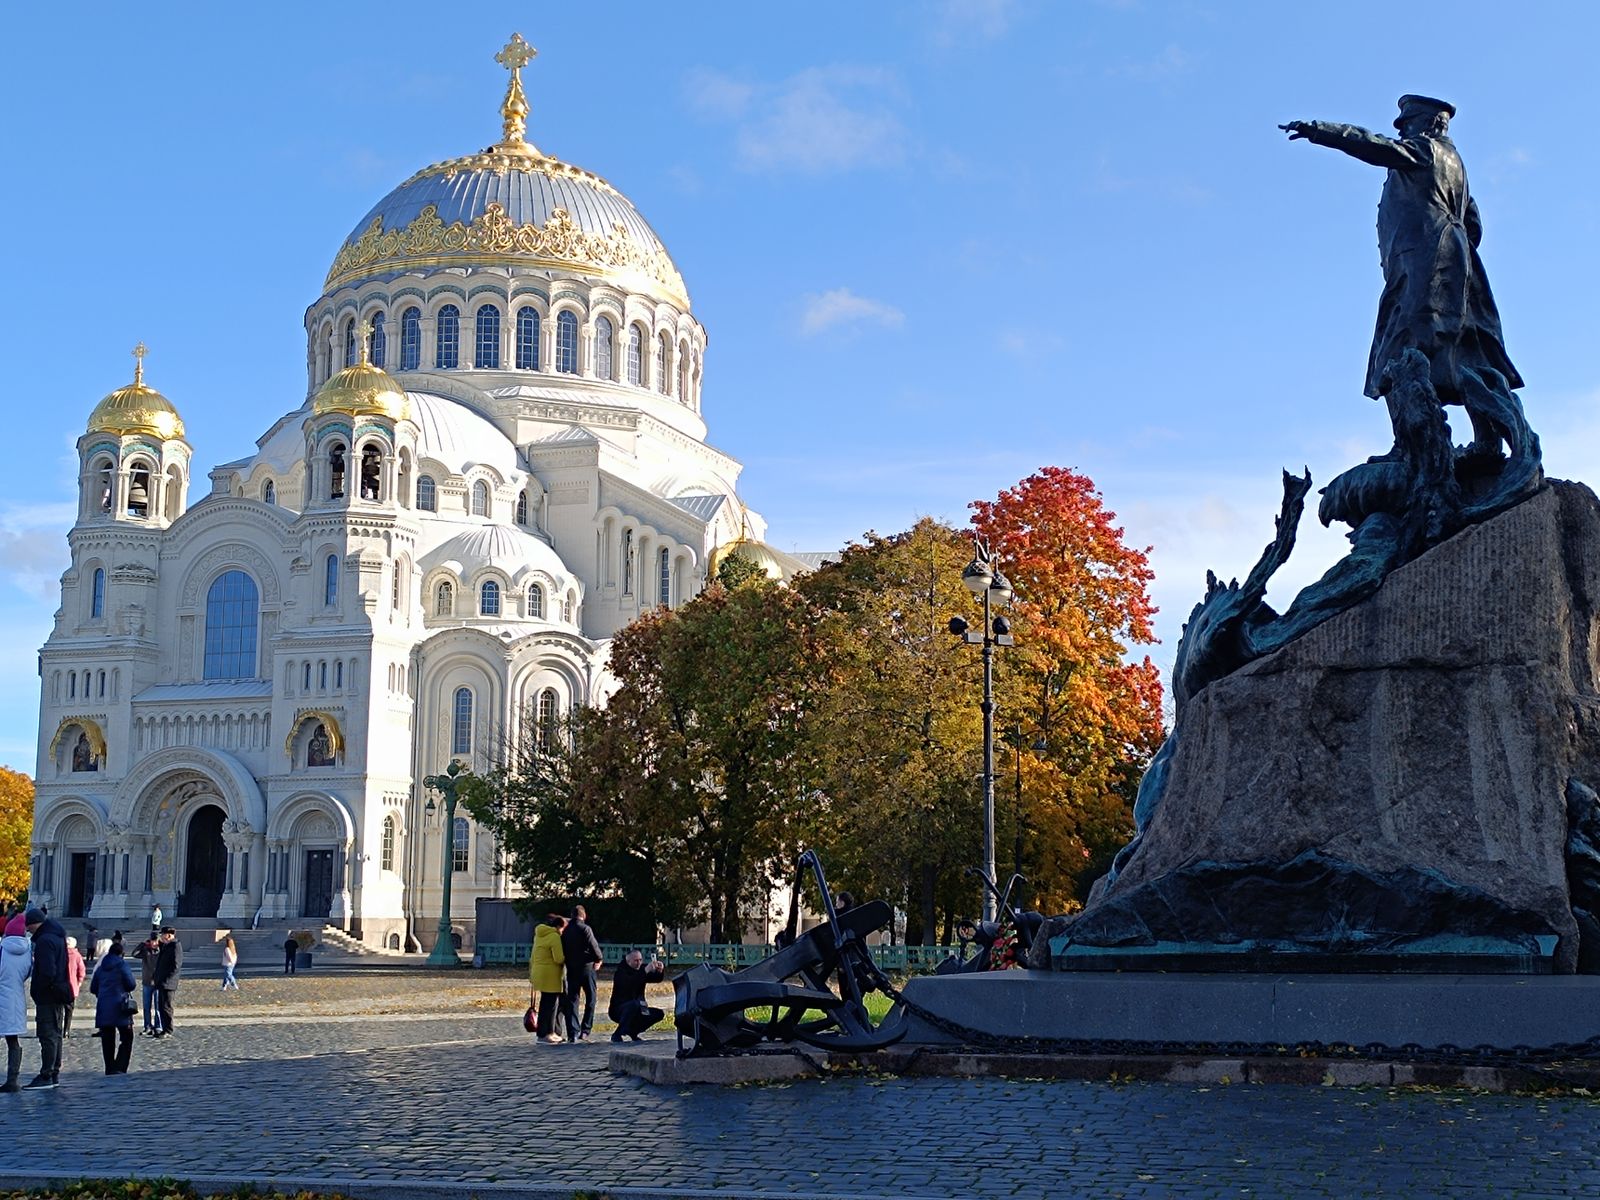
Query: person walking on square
544	973
16	964
146	953
582	951
155	922
77	972
230	961
290	949
169	970
51	993
628	1007
112	988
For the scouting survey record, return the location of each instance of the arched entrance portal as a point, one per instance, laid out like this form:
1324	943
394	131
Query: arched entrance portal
205	864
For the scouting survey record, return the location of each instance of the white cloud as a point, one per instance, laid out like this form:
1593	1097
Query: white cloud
1173	60
822	120
841	306
960	22
33	546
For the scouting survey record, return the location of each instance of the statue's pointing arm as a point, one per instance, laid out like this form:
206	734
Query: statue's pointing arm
1355	141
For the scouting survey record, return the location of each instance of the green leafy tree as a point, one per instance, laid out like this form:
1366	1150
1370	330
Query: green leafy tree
898	735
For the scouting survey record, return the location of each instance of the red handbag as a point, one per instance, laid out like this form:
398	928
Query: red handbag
530	1019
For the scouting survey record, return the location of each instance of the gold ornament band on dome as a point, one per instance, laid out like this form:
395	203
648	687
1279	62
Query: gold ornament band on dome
492	234
91	729
329	722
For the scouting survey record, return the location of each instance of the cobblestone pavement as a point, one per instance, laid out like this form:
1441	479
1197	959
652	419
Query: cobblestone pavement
466	1097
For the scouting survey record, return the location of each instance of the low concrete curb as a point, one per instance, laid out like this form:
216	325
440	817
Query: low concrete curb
661	1068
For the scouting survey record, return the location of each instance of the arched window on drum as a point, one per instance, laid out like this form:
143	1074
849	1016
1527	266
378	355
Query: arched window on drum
636	355
378	343
444	600
427	494
486	346
411	339
489	599
527	338
535	600
604	347
350	342
447	338
567	342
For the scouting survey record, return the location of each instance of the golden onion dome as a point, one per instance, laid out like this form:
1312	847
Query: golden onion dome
757	554
363	390
137	408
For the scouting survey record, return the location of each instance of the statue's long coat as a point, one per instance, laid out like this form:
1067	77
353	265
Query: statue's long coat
1436	296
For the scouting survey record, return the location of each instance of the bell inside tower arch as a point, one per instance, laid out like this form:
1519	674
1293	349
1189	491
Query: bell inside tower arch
371	467
139	492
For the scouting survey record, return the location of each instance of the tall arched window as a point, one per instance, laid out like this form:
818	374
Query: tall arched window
568	607
338	673
233	613
444	600
627	562
662	382
527	338
547	720
103	484
461	722
460	856
683	371
97	594
336	472
378	344
522	508
489	599
486	347
371	472
567	342
325	340
635	355
386	847
427	494
269	492
330	581
447	338
480	499
411	339
604	332
535	600
350	342
664	573
139	491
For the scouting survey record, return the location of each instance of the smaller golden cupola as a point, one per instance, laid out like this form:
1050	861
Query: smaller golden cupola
363	390
137	408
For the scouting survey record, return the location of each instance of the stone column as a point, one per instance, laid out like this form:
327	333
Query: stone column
426	355
339	913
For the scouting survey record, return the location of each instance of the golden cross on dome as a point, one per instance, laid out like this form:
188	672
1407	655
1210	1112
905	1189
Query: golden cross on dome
367	330
516	55
139	352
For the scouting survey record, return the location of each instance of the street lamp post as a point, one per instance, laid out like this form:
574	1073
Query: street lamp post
984	580
444	945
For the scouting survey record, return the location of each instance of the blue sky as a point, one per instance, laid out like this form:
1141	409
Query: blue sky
935	245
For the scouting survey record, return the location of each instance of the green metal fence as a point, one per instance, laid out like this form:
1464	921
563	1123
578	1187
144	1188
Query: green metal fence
730	956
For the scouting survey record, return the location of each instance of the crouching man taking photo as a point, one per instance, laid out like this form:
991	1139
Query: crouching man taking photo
628	1007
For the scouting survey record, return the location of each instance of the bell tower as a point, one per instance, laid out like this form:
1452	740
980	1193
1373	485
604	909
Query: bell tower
133	459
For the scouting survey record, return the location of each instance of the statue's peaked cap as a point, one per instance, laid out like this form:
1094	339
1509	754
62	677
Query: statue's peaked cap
1411	106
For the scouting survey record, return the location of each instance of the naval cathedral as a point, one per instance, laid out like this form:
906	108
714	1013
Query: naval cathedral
499	462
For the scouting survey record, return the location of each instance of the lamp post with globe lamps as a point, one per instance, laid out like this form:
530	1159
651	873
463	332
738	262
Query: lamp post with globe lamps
444	944
984	579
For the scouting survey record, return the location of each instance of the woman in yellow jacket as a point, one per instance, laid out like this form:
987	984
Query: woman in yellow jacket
544	973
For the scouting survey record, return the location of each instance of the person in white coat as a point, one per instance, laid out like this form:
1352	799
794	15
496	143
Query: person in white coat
16	964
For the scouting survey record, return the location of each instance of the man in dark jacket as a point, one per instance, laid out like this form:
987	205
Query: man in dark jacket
147	952
51	992
582	951
169	968
628	1008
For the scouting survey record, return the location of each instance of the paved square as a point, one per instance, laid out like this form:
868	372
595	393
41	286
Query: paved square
294	1081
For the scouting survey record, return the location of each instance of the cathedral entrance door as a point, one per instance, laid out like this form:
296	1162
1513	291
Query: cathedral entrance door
318	893
80	885
205	864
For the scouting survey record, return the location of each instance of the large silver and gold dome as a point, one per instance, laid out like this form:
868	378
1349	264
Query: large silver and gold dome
509	204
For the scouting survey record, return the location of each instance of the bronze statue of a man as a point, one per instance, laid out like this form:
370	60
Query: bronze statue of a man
1436	297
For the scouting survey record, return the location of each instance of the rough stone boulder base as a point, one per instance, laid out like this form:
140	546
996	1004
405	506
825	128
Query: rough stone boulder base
1433	726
